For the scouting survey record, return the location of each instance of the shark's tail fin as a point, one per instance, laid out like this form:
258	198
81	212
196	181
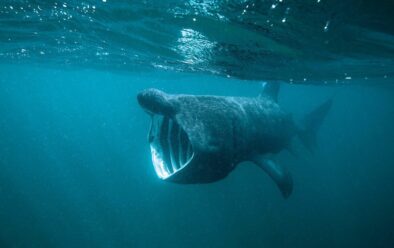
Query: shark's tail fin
312	122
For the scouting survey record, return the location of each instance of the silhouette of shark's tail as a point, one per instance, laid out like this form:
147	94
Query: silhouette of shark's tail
312	122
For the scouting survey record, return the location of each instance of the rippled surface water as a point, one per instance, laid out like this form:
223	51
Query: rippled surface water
315	41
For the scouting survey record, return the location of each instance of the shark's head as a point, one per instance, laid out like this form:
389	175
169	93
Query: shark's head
170	145
189	138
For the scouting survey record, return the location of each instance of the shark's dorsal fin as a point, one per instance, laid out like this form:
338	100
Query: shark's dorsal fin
278	173
270	90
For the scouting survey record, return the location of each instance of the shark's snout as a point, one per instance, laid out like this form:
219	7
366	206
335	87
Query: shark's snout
156	102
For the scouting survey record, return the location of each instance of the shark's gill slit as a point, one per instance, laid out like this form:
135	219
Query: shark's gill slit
165	144
170	146
181	156
190	152
172	134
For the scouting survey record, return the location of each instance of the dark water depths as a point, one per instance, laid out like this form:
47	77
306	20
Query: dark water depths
314	41
76	169
75	166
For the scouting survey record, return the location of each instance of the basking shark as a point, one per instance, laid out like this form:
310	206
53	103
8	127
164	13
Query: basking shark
202	138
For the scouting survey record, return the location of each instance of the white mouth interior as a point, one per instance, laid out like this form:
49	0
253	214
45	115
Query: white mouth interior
170	146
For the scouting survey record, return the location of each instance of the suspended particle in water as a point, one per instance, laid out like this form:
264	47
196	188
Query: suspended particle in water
326	26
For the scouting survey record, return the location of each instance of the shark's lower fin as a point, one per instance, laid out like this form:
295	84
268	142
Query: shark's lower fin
278	173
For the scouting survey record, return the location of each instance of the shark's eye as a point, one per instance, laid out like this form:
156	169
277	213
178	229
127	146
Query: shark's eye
170	146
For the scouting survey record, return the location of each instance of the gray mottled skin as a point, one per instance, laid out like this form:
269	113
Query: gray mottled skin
225	131
234	128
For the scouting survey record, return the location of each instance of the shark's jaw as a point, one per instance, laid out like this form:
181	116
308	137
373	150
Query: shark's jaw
170	146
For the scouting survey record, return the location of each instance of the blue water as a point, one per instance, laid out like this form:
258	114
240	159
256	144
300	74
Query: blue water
76	169
75	164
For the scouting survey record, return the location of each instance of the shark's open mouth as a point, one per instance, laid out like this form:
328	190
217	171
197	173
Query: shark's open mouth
170	146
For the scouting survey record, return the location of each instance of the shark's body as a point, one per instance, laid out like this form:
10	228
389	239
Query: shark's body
201	139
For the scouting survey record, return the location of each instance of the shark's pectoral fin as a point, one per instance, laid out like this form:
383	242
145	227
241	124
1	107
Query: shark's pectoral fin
278	173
